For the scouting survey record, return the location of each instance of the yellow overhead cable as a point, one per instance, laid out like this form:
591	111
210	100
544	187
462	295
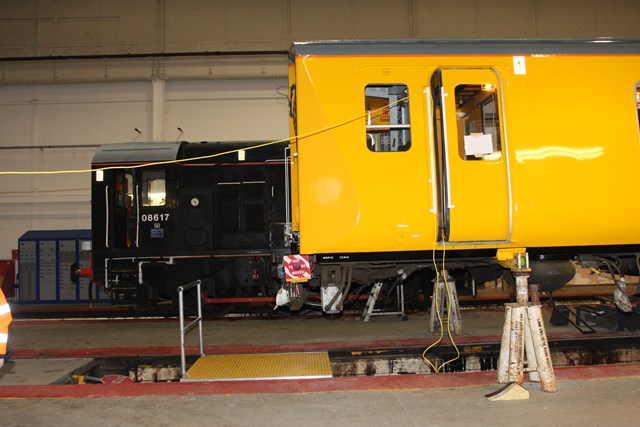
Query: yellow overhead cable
209	156
143	165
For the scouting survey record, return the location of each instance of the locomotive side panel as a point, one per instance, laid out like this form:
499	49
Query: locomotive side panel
195	209
214	212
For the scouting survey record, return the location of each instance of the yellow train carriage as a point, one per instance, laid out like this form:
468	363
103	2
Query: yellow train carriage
556	126
405	147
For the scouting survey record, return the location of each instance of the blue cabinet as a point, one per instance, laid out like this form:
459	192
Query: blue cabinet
44	266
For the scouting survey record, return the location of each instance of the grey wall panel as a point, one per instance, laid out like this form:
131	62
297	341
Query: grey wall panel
97	27
336	19
204	25
71	27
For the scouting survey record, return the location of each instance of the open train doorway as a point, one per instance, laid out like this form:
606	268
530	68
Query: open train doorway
473	176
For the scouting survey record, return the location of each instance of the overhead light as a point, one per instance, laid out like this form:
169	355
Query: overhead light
487	87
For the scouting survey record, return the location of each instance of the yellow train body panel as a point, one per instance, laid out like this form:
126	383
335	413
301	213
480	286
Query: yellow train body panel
501	148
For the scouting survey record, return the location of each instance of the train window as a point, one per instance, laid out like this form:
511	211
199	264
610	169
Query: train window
478	122
387	109
124	218
124	190
154	191
120	190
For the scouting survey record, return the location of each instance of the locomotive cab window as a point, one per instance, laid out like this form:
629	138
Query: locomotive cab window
124	190
124	217
154	191
387	115
478	122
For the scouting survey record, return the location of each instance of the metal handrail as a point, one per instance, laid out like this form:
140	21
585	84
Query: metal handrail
184	330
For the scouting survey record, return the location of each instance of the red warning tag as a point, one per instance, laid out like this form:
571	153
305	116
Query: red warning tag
297	268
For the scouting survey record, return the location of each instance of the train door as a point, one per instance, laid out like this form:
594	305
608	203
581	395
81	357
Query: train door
141	216
242	199
195	209
124	211
473	179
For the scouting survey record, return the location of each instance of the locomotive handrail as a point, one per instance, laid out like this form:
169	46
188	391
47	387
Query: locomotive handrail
106	221
137	211
287	188
184	330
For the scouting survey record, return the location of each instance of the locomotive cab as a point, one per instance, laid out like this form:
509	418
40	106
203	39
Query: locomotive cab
166	214
133	213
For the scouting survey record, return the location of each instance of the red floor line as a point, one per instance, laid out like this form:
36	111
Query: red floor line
40	322
400	382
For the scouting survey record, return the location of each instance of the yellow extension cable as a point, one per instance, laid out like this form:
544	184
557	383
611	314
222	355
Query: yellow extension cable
437	369
167	162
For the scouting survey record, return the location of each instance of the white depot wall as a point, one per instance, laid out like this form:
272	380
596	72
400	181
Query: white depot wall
226	110
57	128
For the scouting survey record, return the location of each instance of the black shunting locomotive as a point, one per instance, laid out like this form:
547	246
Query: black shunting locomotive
167	213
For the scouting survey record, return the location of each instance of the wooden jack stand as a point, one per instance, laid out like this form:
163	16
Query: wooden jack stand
443	302
523	338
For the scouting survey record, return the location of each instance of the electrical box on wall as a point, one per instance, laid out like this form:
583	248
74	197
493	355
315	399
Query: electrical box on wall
44	266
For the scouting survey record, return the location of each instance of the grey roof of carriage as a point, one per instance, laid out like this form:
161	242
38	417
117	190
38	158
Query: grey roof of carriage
466	47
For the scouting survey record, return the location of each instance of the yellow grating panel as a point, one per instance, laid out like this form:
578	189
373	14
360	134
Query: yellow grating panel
260	366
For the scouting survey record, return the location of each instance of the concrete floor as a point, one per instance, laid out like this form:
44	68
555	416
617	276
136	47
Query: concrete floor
593	403
605	400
